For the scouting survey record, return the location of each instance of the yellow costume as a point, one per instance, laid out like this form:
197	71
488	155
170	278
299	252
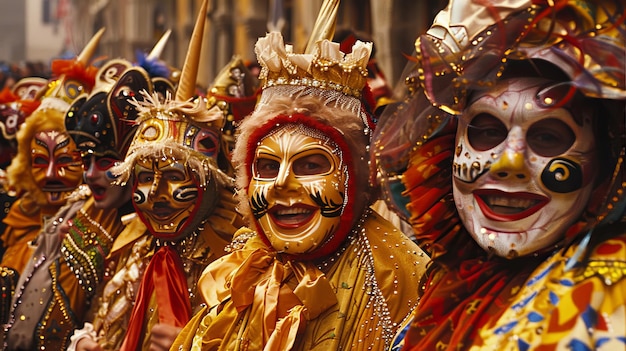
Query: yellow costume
22	229
580	307
260	302
319	270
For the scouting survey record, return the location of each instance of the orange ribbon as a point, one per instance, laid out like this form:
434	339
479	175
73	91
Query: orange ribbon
260	284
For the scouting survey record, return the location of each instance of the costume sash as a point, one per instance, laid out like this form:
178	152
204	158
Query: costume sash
165	270
260	282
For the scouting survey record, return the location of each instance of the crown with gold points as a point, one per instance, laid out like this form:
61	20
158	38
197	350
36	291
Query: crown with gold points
322	70
326	68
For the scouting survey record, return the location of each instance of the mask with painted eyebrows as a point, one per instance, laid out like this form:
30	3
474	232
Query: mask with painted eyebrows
297	190
523	169
56	165
167	196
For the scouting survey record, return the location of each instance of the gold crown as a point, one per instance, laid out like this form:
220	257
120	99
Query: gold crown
326	68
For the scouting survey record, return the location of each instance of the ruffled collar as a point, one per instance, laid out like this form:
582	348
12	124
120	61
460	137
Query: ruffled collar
259	281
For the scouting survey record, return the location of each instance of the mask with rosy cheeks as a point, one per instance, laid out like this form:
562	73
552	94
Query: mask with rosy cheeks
523	171
56	165
167	197
297	190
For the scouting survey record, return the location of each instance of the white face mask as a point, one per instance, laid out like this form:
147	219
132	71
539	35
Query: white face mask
523	172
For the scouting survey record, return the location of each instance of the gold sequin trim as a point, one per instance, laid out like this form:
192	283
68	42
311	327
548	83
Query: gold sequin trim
610	271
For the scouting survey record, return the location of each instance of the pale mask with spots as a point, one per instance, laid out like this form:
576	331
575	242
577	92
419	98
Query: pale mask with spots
523	171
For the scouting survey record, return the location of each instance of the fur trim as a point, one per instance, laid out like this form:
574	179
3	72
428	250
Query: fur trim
55	104
204	167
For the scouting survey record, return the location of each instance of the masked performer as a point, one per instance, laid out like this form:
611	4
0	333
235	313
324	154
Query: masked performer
47	167
320	270
62	277
507	159
185	202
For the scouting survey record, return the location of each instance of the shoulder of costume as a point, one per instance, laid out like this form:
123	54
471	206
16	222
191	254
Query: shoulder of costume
241	238
607	261
18	218
134	229
613	249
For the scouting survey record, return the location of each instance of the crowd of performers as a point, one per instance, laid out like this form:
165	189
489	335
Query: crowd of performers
480	207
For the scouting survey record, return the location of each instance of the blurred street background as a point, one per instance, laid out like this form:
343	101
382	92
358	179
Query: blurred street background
33	32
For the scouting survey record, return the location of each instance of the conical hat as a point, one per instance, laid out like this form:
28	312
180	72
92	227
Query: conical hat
74	76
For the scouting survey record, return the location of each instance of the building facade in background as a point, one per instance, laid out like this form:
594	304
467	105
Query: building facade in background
40	30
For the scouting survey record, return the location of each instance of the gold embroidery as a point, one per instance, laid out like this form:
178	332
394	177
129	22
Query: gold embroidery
610	271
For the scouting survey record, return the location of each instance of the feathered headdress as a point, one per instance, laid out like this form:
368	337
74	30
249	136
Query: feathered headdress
173	125
470	46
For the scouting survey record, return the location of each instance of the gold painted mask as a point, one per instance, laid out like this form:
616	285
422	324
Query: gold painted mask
56	165
298	187
166	195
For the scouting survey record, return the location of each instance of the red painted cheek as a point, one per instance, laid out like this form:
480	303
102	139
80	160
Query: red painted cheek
610	248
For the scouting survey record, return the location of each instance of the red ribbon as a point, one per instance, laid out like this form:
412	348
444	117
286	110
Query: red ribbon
165	270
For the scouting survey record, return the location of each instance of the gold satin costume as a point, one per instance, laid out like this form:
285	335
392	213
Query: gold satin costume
355	299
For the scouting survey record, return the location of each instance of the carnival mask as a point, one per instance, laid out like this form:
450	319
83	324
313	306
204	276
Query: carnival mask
297	190
56	166
524	166
169	197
